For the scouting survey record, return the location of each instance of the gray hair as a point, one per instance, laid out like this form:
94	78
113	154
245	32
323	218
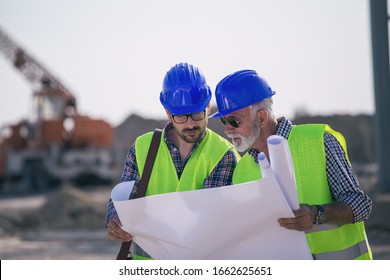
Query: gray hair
266	104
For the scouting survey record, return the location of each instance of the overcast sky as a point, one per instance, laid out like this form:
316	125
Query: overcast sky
113	55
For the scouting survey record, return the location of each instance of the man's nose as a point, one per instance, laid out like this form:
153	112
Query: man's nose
228	128
190	122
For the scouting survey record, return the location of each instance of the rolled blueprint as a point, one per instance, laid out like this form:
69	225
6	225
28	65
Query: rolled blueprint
265	166
122	191
282	166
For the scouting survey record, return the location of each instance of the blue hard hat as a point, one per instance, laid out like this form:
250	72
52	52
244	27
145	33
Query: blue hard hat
239	90
185	90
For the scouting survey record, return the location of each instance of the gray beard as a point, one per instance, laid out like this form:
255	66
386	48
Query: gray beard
246	142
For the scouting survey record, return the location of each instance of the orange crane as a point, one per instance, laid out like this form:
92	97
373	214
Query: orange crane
57	144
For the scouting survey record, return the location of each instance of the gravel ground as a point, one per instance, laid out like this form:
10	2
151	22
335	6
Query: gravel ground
59	245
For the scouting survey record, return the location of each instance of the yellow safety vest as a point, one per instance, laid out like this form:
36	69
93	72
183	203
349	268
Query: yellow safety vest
306	143
199	166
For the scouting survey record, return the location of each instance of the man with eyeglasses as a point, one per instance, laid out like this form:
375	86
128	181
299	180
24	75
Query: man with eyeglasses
332	204
190	155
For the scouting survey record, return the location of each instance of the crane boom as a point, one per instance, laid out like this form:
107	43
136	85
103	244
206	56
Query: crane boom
42	81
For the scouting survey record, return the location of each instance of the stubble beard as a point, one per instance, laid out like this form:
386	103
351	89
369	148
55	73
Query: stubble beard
199	129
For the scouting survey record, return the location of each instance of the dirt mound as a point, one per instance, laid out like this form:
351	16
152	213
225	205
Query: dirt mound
67	207
70	207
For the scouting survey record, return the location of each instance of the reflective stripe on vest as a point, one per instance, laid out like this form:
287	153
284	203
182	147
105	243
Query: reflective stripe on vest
354	252
312	188
322	227
349	253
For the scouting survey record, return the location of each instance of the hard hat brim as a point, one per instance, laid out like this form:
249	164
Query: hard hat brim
219	114
183	110
216	115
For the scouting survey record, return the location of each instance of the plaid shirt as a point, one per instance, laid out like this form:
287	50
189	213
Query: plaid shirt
342	180
220	176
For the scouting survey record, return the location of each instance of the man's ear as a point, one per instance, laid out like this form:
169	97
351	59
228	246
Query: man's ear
262	116
169	115
208	110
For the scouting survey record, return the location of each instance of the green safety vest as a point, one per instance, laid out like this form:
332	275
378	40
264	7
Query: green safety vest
325	241
199	166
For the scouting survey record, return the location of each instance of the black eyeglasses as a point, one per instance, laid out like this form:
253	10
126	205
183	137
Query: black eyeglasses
180	119
234	122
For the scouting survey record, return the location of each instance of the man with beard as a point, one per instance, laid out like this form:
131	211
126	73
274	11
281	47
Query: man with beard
332	204
190	156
